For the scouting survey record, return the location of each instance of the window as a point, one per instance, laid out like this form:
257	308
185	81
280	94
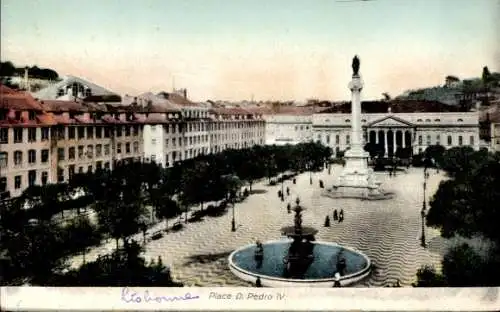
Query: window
90	151
460	120
347	121
44	155
18	115
98	132
18	158
18	135
450	140
460	140
135	130
106	165
119	148
4	159
419	120
174	142
437	120
71	153
60	154
60	175
45	177
347	139
71	171
127	148
166	142
98	166
427	120
31	156
106	149
428	140
119	131
419	140
153	142
136	147
31	177
4	135
327	139
98	150
337	139
45	134
31	134
438	139
127	131
80	169
3	184
17	182
80	151
153	158
71	133
106	132
90	132
81	132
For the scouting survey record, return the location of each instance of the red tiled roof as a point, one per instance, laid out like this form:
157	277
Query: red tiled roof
19	102
6	90
63	106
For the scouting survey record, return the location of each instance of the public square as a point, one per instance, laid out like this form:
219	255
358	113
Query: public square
387	231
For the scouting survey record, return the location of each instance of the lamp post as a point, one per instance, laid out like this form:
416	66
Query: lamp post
233	221
310	174
32	224
282	189
422	214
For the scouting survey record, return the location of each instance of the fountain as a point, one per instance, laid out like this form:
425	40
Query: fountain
299	260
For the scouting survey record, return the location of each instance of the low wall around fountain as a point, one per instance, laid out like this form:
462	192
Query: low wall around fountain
276	282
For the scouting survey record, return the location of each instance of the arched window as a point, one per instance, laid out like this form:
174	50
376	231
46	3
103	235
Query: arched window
460	120
450	140
347	120
419	120
427	120
437	120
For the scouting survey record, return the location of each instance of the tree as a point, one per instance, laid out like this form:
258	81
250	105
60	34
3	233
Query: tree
428	277
386	96
435	152
121	210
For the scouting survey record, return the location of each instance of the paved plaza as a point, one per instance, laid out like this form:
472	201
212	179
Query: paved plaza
386	231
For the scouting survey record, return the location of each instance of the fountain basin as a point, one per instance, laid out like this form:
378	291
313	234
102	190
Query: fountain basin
319	274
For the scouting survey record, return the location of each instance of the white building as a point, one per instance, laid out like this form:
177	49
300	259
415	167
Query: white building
397	124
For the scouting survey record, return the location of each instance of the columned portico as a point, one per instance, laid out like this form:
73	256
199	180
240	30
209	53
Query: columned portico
391	133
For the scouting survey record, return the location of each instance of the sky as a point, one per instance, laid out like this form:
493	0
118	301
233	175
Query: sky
254	49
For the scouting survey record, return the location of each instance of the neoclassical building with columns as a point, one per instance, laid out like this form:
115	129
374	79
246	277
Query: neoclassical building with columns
413	124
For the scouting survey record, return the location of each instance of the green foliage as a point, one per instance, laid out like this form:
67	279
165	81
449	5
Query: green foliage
427	277
467	205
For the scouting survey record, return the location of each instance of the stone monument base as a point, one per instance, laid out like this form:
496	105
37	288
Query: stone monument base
359	184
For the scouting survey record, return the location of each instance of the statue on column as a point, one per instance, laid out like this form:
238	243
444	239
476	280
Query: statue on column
355	66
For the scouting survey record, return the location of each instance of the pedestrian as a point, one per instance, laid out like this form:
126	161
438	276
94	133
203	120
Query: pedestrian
289	208
337	280
335	215
287	191
258	283
341	215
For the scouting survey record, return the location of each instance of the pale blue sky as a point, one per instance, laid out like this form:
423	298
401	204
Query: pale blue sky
223	49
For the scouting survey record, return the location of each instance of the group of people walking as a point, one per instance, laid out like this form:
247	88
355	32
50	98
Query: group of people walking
338	216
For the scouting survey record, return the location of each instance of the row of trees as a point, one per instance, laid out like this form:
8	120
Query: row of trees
35	246
7	69
466	205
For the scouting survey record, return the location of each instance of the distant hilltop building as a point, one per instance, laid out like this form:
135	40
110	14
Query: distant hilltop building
72	88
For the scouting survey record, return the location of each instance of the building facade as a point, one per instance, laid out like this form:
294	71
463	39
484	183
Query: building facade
405	124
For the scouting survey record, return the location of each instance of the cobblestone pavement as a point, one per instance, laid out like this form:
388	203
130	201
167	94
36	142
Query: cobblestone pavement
386	231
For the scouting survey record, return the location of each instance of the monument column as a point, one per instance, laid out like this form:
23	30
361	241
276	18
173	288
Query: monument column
356	85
